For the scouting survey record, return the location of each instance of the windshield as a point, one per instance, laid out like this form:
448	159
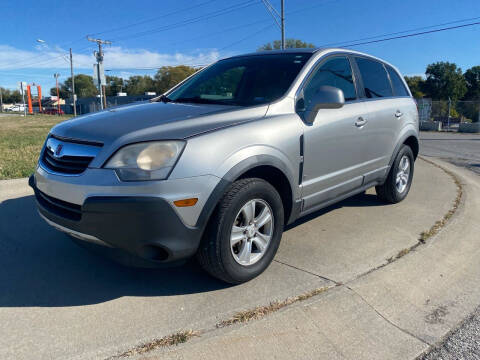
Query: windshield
242	81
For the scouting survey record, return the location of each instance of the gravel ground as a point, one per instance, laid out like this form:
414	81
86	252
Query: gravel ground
461	150
463	343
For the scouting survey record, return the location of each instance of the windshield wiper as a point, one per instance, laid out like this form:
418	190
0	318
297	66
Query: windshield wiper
197	100
164	99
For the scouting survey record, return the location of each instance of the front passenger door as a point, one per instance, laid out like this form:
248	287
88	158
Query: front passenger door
334	153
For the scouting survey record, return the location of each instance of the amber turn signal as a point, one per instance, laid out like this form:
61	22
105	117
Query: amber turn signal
186	202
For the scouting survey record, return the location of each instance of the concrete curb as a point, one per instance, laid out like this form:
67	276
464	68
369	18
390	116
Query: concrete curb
15	187
395	312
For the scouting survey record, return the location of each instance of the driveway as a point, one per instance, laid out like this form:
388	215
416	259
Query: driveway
462	150
60	301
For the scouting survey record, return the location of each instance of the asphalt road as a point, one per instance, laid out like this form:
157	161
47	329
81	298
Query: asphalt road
58	301
461	150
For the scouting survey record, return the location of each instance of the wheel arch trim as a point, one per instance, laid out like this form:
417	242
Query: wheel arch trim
408	133
235	173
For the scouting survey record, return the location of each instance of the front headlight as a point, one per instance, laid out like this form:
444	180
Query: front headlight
146	161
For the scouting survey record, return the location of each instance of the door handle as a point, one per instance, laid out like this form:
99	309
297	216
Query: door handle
398	114
360	122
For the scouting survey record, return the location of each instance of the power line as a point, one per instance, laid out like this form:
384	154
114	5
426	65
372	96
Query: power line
273	12
350	45
44	54
26	64
247	37
23	65
249	24
154	19
400	32
414	34
216	32
207	16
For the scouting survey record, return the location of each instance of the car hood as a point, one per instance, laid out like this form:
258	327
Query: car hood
154	121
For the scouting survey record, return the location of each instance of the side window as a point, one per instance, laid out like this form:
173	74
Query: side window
398	85
335	72
375	79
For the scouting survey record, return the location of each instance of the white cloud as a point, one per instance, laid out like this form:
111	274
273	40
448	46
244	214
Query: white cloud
44	57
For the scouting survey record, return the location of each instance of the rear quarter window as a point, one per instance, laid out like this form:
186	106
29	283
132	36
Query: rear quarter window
399	88
375	79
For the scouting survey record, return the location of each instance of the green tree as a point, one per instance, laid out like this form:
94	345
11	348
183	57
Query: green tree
114	85
11	96
445	80
84	87
416	85
289	44
472	77
138	85
169	76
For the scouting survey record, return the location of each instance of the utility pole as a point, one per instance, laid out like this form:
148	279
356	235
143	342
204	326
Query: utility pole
56	75
282	11
277	16
73	85
22	88
1	100
99	55
449	112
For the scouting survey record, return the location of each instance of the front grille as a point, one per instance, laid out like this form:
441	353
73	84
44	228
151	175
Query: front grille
68	156
66	164
59	207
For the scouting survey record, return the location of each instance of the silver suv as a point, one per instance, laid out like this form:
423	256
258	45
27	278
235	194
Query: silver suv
218	165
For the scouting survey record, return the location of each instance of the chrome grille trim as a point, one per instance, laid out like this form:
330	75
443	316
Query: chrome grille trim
67	158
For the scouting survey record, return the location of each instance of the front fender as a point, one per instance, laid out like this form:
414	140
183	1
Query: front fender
232	168
258	155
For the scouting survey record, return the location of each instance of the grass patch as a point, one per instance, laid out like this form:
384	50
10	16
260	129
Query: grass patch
439	224
170	340
21	139
425	235
262	311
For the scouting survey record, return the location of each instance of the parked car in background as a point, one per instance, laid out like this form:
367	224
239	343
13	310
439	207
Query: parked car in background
218	165
15	108
52	111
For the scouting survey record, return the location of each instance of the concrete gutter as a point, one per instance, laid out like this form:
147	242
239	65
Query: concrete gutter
397	311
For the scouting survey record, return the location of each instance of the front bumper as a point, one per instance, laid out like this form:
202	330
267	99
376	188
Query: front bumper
147	227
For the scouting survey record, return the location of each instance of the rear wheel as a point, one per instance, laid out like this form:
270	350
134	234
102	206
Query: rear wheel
399	179
244	232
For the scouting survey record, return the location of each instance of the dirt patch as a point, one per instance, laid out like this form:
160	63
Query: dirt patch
262	311
427	234
170	340
437	316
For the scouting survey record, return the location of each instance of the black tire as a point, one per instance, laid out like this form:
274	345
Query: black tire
215	254
388	191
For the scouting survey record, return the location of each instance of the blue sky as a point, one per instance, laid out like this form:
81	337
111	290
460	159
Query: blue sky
153	33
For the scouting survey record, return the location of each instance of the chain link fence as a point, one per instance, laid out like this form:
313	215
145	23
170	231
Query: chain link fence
448	115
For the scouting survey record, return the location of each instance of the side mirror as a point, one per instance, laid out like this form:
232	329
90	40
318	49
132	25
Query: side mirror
327	97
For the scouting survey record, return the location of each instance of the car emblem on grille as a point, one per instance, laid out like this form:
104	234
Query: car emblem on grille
58	150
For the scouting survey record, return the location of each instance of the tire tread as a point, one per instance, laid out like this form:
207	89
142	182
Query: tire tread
208	254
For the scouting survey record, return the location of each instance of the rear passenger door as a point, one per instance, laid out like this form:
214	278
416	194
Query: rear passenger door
379	133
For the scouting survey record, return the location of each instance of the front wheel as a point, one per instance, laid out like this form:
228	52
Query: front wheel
244	232
399	179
